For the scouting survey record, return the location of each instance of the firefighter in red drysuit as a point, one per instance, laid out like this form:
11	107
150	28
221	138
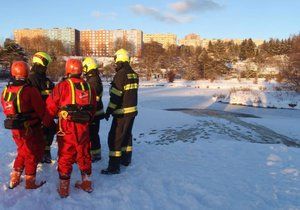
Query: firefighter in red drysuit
24	108
74	102
37	78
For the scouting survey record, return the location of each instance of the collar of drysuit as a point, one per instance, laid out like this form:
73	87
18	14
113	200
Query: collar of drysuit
39	69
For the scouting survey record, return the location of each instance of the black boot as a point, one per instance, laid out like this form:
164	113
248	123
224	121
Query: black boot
47	157
113	166
96	157
126	158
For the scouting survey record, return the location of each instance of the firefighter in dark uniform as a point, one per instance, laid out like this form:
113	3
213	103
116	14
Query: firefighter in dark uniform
91	73
38	79
123	107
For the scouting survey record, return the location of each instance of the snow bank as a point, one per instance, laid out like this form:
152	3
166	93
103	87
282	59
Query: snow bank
266	99
261	84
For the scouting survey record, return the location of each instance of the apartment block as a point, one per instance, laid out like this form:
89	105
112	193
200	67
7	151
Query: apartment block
96	43
103	43
165	39
191	40
28	33
70	38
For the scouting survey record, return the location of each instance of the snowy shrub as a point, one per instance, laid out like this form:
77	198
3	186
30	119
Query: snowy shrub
171	76
261	88
219	97
244	89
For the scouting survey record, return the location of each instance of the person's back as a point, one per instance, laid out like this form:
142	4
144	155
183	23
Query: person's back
126	79
64	99
24	97
41	82
93	78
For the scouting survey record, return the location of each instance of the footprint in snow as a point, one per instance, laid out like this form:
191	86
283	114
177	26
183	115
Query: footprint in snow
273	160
290	171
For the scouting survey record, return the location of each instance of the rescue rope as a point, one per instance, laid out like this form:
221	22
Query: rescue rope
62	115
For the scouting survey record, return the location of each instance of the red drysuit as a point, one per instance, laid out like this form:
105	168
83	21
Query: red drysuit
73	138
29	141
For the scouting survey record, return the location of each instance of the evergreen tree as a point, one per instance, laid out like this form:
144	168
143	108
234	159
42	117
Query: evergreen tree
248	49
10	52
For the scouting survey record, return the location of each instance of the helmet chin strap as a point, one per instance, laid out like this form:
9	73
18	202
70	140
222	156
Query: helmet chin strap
20	78
73	75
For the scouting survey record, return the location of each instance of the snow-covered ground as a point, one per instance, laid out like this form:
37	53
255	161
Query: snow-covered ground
198	155
246	92
267	99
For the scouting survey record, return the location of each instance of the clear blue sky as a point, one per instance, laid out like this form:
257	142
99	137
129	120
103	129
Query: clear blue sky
208	18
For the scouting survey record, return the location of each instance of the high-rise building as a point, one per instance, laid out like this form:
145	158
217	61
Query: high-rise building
133	36
104	42
165	39
191	40
28	33
68	36
96	43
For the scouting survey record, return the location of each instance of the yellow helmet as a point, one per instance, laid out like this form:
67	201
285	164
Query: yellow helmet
122	56
89	64
42	58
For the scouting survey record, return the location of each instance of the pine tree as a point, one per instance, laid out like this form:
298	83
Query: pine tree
12	52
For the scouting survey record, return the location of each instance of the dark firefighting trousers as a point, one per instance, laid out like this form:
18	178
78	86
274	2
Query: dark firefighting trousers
30	146
120	141
94	135
49	136
73	147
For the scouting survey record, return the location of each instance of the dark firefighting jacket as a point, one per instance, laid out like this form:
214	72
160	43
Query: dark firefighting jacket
38	79
93	78
124	92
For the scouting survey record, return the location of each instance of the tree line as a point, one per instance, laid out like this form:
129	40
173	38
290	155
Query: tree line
191	63
215	61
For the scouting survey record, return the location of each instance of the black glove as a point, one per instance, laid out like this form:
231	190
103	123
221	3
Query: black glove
49	130
106	116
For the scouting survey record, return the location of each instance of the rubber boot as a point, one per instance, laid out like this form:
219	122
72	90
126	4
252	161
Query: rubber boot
47	158
64	188
126	158
113	166
85	184
30	182
15	179
96	157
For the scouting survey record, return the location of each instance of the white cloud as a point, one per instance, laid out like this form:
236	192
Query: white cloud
98	15
160	16
187	6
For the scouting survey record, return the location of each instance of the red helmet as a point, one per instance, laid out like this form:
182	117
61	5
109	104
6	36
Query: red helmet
19	69
73	66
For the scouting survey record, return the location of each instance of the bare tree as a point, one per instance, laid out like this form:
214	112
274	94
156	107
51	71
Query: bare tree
152	60
85	48
125	44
